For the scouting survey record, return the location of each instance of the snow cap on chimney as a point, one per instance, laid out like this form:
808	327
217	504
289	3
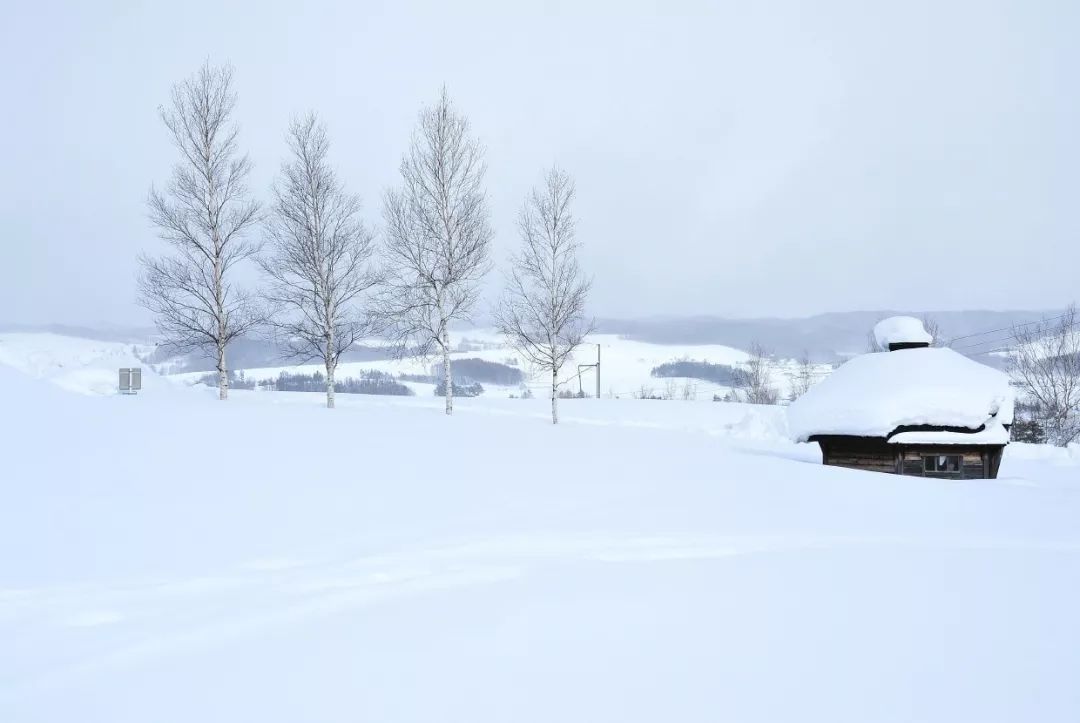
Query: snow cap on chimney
901	332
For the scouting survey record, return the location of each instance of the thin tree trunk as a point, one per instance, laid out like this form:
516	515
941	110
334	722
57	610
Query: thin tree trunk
331	362
554	396
330	385
223	374
447	380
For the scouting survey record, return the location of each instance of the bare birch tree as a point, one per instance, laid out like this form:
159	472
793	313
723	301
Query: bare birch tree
802	377
542	312
319	256
754	384
933	328
204	214
438	237
1046	364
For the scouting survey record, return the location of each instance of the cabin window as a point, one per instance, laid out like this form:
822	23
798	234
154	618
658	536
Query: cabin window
943	464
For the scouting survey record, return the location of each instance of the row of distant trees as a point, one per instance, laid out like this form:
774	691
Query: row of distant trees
370	381
754	382
329	278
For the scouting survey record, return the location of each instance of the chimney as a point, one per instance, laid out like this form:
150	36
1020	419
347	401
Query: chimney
898	345
901	332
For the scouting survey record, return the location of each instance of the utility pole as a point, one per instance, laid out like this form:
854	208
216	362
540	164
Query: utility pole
597	371
590	366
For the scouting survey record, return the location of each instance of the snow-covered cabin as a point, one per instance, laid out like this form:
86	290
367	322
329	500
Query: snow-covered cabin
912	410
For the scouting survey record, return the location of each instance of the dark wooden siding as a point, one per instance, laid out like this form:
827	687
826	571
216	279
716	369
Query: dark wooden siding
876	455
863	460
860	453
993	461
913	466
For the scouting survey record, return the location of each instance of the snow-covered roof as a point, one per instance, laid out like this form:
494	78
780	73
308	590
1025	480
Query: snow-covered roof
901	330
874	394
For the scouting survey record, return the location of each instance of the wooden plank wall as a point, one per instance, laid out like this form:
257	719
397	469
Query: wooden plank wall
863	459
973	467
877	455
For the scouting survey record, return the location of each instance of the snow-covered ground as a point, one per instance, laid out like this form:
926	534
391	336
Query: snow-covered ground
169	557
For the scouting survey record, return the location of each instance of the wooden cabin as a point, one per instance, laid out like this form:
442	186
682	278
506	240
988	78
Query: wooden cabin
876	454
911	410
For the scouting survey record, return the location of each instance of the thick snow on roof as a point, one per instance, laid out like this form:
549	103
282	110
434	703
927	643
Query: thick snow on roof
901	330
873	394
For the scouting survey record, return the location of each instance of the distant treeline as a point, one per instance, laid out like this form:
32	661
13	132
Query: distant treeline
469	371
468	375
722	374
369	382
486	372
248	353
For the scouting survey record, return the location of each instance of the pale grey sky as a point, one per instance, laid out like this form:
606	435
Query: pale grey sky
732	158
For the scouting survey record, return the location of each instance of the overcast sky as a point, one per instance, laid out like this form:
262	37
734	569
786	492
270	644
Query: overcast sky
732	158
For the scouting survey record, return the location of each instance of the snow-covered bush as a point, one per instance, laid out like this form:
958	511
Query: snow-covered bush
460	390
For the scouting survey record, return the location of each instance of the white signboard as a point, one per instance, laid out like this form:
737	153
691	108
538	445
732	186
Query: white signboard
130	380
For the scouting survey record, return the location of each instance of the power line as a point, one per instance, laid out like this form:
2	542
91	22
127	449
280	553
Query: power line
1004	340
1005	328
544	385
968	351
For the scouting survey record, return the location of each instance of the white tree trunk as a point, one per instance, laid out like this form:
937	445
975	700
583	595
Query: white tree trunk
219	310
331	359
554	396
223	374
330	385
447	380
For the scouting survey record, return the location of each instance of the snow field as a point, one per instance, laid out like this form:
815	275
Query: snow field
173	558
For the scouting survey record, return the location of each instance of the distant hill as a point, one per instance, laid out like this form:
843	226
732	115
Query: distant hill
246	353
826	337
104	332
